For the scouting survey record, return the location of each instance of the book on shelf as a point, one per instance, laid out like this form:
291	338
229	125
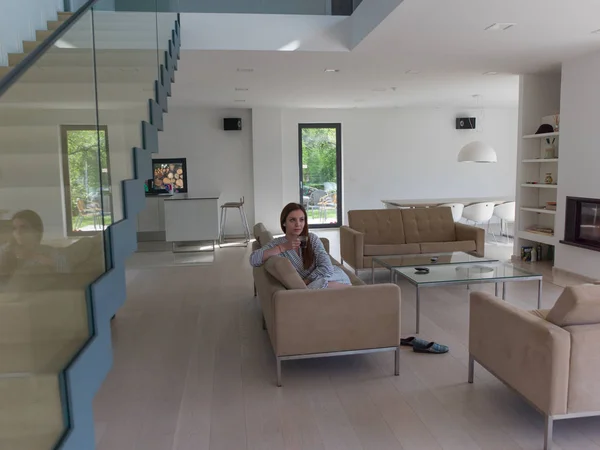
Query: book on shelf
546	231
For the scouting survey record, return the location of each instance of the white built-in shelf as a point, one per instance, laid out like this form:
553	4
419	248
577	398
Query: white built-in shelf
538	210
541	135
536	237
540	186
541	160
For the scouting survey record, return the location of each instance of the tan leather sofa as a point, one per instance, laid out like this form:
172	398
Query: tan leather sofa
380	232
550	357
306	323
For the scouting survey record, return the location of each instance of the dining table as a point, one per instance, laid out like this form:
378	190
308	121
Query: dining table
433	202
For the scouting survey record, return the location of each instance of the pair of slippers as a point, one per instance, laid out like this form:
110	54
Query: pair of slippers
422	346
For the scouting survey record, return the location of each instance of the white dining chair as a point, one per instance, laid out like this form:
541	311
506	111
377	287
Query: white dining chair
457	210
506	212
479	213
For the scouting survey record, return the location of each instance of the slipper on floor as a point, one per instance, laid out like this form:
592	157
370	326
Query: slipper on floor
431	347
412	341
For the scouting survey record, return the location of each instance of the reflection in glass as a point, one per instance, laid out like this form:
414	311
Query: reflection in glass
88	199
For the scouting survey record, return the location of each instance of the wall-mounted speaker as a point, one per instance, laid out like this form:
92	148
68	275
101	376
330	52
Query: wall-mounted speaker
230	124
466	123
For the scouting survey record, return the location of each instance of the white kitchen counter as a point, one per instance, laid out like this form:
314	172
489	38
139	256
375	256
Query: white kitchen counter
192	218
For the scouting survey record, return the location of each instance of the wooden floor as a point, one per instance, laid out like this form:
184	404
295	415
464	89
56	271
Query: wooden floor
193	370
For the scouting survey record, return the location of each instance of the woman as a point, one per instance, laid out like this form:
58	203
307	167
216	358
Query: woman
311	261
24	249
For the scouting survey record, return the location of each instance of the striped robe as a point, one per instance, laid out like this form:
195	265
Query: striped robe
319	274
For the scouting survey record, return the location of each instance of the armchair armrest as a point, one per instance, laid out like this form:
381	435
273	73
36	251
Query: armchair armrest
352	247
527	352
469	233
332	320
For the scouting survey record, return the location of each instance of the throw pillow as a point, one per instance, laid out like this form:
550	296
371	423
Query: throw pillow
282	270
577	305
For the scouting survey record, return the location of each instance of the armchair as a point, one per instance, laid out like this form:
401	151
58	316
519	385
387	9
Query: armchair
550	357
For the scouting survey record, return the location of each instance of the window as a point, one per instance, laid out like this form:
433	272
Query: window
320	151
86	175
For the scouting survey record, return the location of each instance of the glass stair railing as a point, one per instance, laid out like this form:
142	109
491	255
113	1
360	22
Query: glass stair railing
79	117
302	7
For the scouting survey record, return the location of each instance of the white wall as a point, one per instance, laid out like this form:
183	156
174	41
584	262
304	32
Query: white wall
579	161
267	160
392	154
217	160
19	21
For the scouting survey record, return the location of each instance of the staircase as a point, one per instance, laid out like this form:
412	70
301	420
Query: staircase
55	310
29	46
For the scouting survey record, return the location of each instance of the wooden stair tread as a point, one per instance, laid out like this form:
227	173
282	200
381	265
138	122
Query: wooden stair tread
46	440
32	405
37	357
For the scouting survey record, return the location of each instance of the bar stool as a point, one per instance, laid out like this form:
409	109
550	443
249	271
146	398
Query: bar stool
240	207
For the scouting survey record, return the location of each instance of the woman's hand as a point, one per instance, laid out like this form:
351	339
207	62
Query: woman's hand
294	244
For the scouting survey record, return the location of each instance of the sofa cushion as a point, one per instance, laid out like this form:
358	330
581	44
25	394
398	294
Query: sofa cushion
577	305
380	226
282	269
391	249
428	225
446	247
262	235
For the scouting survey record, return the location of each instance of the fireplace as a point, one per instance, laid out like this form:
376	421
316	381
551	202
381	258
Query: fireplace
582	223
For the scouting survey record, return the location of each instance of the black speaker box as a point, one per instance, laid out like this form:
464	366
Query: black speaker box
230	124
465	123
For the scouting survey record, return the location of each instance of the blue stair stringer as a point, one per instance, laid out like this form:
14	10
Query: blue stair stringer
82	379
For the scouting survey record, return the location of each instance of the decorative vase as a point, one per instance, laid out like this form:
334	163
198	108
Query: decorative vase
548	178
550	149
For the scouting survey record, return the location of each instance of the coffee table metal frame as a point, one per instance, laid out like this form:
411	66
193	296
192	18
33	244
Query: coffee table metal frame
496	280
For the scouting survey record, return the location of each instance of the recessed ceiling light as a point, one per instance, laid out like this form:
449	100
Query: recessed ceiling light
500	26
241	89
412	72
245	69
332	70
490	73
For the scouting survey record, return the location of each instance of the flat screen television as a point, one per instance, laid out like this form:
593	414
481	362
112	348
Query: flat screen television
171	171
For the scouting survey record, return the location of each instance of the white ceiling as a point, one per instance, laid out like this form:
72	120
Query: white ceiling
443	40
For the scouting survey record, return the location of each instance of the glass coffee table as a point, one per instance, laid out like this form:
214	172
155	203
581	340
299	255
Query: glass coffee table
455	269
392	262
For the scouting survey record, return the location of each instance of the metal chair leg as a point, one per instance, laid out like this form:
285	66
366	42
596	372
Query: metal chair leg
255	290
471	369
548	433
221	226
397	361
224	222
278	372
245	223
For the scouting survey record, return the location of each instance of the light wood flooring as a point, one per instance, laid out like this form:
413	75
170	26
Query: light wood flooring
193	370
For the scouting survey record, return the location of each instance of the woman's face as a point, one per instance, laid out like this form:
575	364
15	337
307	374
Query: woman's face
294	223
24	234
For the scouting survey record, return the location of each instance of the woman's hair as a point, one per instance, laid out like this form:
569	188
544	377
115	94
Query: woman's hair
33	220
308	254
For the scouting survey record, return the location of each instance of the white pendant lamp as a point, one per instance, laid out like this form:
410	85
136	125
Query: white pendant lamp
478	152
